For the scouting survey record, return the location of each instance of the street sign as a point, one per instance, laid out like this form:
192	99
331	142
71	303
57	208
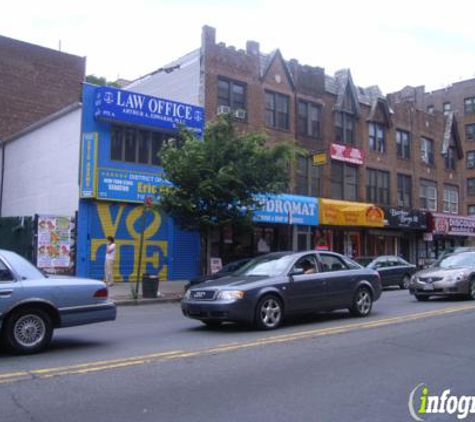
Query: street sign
319	158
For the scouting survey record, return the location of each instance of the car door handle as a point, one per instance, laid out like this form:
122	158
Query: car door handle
6	293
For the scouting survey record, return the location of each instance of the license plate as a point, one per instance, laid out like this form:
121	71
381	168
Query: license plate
428	287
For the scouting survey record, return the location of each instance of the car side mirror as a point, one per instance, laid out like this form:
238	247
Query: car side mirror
297	271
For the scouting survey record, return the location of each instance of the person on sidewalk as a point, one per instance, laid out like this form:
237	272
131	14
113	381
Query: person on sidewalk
109	264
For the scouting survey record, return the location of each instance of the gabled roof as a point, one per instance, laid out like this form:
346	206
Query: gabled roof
268	60
345	86
451	132
382	103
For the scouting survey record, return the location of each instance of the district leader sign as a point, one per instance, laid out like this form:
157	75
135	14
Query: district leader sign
132	107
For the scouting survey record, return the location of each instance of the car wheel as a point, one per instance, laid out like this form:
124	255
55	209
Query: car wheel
269	313
28	331
422	298
212	324
471	290
362	303
406	281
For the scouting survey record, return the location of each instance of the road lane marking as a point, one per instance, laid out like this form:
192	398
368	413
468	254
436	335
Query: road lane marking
93	367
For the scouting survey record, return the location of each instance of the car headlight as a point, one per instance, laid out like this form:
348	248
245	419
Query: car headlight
413	279
187	294
230	295
454	278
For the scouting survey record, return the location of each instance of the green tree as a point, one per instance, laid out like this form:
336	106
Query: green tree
100	80
215	180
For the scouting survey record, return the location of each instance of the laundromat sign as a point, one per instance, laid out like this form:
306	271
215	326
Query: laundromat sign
287	209
132	107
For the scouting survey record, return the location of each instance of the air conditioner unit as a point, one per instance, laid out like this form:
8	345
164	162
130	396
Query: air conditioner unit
222	109
240	114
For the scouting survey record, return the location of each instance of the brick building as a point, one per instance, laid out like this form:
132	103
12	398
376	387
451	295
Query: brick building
35	82
376	154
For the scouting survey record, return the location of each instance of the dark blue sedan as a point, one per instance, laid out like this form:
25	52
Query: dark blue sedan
275	285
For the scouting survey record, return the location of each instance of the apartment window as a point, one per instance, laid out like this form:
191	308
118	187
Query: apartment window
307	177
430	109
471	186
470	132
309	119
377	186
344	179
403	144
136	145
450	159
451	199
377	137
345	128
469	105
470	159
404	191
447	107
428	195
427	150
471	210
277	110
231	94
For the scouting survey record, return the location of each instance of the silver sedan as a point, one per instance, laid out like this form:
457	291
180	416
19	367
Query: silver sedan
453	274
32	305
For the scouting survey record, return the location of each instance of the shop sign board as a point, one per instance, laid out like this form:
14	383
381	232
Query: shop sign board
287	209
346	153
345	213
128	186
88	165
145	110
453	225
401	218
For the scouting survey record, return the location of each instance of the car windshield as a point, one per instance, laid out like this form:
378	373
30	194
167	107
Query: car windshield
461	259
25	269
267	265
364	261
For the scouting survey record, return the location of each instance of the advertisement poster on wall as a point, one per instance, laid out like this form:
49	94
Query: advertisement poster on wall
54	243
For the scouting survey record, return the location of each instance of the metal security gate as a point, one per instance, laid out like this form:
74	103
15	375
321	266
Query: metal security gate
17	234
168	252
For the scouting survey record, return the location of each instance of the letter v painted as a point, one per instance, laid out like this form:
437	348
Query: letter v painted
105	217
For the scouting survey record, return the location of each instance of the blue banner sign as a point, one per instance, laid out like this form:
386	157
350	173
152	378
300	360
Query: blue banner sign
88	165
131	107
287	209
128	186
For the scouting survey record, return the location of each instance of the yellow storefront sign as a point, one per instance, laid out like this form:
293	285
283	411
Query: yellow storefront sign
344	213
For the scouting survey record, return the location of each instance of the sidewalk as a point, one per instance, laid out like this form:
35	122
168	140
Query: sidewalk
168	291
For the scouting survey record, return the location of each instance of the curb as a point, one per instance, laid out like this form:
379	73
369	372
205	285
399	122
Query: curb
138	302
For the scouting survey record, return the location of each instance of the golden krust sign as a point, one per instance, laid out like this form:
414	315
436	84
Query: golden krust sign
344	213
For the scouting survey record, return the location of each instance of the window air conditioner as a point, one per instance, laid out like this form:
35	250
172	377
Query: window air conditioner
240	114
222	109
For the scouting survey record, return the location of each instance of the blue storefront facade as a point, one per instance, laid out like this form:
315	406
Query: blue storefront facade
122	132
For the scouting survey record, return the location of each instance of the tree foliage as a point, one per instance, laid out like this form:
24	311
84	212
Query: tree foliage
100	80
215	180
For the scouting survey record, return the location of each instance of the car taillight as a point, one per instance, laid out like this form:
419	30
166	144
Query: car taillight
101	294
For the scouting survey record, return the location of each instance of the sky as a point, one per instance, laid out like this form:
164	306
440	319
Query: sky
389	44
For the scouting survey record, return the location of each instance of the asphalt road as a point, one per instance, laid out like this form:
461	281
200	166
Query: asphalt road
154	365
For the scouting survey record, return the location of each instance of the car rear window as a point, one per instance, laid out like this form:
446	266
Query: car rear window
25	269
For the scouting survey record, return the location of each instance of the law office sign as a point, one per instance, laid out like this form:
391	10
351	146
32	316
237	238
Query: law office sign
135	108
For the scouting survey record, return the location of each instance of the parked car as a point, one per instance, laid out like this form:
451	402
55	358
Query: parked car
394	271
32	305
452	274
226	270
278	284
